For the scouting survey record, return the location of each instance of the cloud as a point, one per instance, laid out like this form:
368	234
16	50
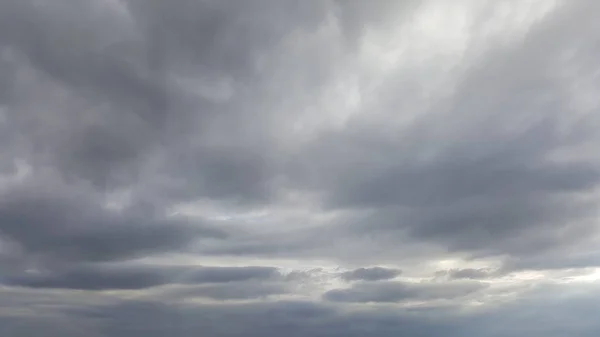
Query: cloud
50	223
370	274
485	185
479	172
470	273
129	277
243	290
292	317
309	318
223	168
402	291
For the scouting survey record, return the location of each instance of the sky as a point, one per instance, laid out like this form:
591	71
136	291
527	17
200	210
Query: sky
299	168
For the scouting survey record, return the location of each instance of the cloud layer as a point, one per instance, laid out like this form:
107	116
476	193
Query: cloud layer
309	168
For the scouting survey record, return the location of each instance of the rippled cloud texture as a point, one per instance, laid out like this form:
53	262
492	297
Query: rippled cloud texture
299	168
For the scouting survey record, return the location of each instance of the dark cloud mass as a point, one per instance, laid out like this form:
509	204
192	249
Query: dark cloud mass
248	168
65	225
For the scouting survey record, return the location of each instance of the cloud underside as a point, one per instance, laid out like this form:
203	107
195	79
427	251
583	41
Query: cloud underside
310	168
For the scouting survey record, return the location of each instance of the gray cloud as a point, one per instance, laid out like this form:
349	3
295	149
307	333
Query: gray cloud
370	274
272	319
230	291
127	276
304	135
314	319
475	173
489	170
402	291
113	110
67	225
470	273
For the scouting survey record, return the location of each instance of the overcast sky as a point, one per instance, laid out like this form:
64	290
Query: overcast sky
307	168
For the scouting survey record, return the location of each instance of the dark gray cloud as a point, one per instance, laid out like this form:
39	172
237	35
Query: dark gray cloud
128	276
120	107
113	111
56	225
370	274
